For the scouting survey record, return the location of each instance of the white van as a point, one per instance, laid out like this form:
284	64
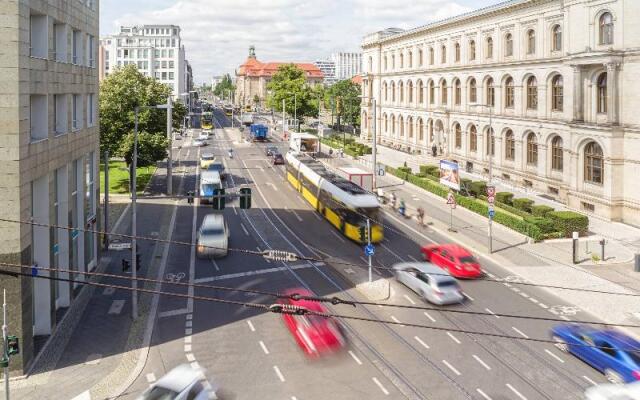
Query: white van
213	237
209	180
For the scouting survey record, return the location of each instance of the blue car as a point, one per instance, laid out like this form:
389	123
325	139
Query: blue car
613	353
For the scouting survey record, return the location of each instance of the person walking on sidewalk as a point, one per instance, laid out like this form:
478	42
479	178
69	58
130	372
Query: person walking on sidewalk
403	208
392	199
421	216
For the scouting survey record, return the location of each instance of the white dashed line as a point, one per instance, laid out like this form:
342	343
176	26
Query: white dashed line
151	377
189	316
187	348
195	365
515	289
191	357
507	284
426	346
520	332
251	326
377	382
554	356
188	331
478	359
338	236
187	339
116	307
483	394
491	312
523	294
188	324
455	339
516	392
543	306
413	258
429	316
467	296
280	376
409	299
534	300
490	274
234	210
317	216
215	264
451	367
264	347
355	357
396	320
246	232
591	381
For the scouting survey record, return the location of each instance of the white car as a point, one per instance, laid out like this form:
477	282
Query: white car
198	143
204	135
181	383
610	391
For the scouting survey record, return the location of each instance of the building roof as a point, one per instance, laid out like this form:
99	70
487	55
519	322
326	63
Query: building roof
357	79
253	67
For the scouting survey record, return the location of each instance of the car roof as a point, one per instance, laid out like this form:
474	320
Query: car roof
179	378
426	268
207	155
452	248
213	220
618	339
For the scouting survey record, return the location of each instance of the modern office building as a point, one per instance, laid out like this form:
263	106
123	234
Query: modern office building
156	50
49	153
546	91
347	65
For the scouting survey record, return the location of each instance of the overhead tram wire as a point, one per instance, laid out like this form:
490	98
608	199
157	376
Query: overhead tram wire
335	300
288	309
297	257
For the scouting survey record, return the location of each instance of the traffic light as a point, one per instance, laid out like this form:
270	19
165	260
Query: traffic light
13	345
218	199
245	198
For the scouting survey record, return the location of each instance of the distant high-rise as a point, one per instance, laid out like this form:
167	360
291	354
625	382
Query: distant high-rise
347	65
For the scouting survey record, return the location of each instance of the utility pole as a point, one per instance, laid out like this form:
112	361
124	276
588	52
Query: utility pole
369	245
373	147
295	112
5	338
170	157
134	232
283	117
106	200
491	150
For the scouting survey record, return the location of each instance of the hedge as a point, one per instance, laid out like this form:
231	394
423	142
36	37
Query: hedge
432	170
464	186
541	210
512	209
568	222
523	204
477	188
504	198
545	224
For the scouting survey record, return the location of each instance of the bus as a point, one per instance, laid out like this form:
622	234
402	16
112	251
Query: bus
342	203
207	120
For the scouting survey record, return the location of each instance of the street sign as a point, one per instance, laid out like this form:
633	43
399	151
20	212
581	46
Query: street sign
491	199
492	213
491	191
451	200
369	250
119	246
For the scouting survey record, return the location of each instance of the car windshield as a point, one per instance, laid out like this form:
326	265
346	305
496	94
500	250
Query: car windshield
215	167
213	231
468	260
207	156
447	284
635	357
160	393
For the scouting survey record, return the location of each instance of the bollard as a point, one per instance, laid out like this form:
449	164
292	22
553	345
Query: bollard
637	263
602	242
575	247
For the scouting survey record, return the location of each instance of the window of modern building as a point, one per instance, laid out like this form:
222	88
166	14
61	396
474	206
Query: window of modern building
170	75
531	41
156	64
556	38
458	132
171	64
491	93
489	47
60	110
605	35
164	76
91	109
456	48
164	64
509	145
39	36
77	46
532	93
556	154
90	51
491	143
509	93
508	45
473	138
444	98
593	163
76	112
60	42
602	93
473	91
457	92
38	117
420	92
432	93
532	149
431	56
472	50
443	54
156	53
557	93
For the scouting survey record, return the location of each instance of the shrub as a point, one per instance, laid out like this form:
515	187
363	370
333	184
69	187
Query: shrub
545	224
504	198
523	204
540	210
405	169
477	188
429	185
568	222
512	210
432	170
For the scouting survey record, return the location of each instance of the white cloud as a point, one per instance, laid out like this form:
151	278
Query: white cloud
217	34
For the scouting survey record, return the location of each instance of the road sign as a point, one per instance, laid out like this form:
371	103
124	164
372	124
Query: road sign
492	213
369	250
119	246
451	200
74	233
491	199
491	191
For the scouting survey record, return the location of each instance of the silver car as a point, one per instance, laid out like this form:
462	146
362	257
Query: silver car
181	383
213	237
430	282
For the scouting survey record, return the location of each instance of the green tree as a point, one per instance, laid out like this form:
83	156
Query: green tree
151	148
256	100
289	84
349	93
226	84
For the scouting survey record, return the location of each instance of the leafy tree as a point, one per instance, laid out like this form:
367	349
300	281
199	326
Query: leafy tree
256	100
348	93
287	82
226	84
151	148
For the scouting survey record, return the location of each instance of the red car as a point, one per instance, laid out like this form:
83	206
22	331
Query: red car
457	260
315	335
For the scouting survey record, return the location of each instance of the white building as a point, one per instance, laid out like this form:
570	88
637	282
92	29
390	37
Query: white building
328	69
347	65
156	50
549	88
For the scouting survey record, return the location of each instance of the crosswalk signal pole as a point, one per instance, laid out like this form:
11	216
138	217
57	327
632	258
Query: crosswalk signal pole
369	245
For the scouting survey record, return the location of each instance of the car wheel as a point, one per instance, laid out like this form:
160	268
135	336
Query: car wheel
561	344
613	377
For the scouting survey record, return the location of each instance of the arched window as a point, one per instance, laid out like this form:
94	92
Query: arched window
509	146
401	91
593	163
557	93
420	58
444	98
473	138
509	93
431	56
385	90
458	132
491	142
410	92
386	66
556	38
386	123
443	54
556	153
393	61
420	129
393	124
473	91
370	64
432	93
532	93
410	127
457	51
472	50
489	47
531	41
401	60
457	92
410	59
606	29
602	93
508	45
401	125
420	92
532	149
393	92
491	93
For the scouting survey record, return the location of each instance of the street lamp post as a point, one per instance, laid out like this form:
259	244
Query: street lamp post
374	141
134	231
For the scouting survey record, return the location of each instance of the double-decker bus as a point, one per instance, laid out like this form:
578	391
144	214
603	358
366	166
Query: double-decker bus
344	204
207	120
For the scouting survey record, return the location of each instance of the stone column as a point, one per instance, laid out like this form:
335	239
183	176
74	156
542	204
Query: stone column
578	96
612	93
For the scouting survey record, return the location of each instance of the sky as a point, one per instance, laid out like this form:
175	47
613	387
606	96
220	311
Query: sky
217	33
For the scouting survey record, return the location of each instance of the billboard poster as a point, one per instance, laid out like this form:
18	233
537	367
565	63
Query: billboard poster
449	175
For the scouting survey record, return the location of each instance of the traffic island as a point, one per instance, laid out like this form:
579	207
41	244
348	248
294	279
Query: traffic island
377	290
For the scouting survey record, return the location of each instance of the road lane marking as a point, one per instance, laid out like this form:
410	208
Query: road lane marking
188	324
246	232
412	258
251	326
195	365
455	339
173	313
543	306
520	332
317	216
492	313
188	331
339	237
534	300
591	381
187	339
396	320
191	357
409	299
280	376
451	367
355	357
264	347
215	264
250	273
187	348
523	294
151	377
426	346
109	291
516	392
429	316
234	210
490	274
116	307
483	394
189	316
515	289
467	296
564	317
554	356
478	359
377	382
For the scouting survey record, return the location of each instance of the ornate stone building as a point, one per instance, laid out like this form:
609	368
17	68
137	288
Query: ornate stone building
546	91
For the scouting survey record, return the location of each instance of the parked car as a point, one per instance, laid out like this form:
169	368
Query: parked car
314	334
609	391
457	260
613	353
213	237
430	282
271	150
278	159
181	383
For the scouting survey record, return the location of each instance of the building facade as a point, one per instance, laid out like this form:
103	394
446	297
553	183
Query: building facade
541	92
253	76
49	151
347	65
156	50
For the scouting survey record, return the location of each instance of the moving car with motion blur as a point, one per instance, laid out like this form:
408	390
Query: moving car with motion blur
609	391
457	260
206	159
213	237
278	159
430	282
314	334
181	383
198	143
611	352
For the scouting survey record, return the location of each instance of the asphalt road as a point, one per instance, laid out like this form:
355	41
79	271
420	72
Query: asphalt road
251	355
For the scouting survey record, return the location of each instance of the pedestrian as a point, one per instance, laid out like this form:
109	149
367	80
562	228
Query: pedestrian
421	216
434	150
393	200
403	208
440	148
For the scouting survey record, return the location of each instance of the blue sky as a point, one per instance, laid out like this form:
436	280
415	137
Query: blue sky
218	33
